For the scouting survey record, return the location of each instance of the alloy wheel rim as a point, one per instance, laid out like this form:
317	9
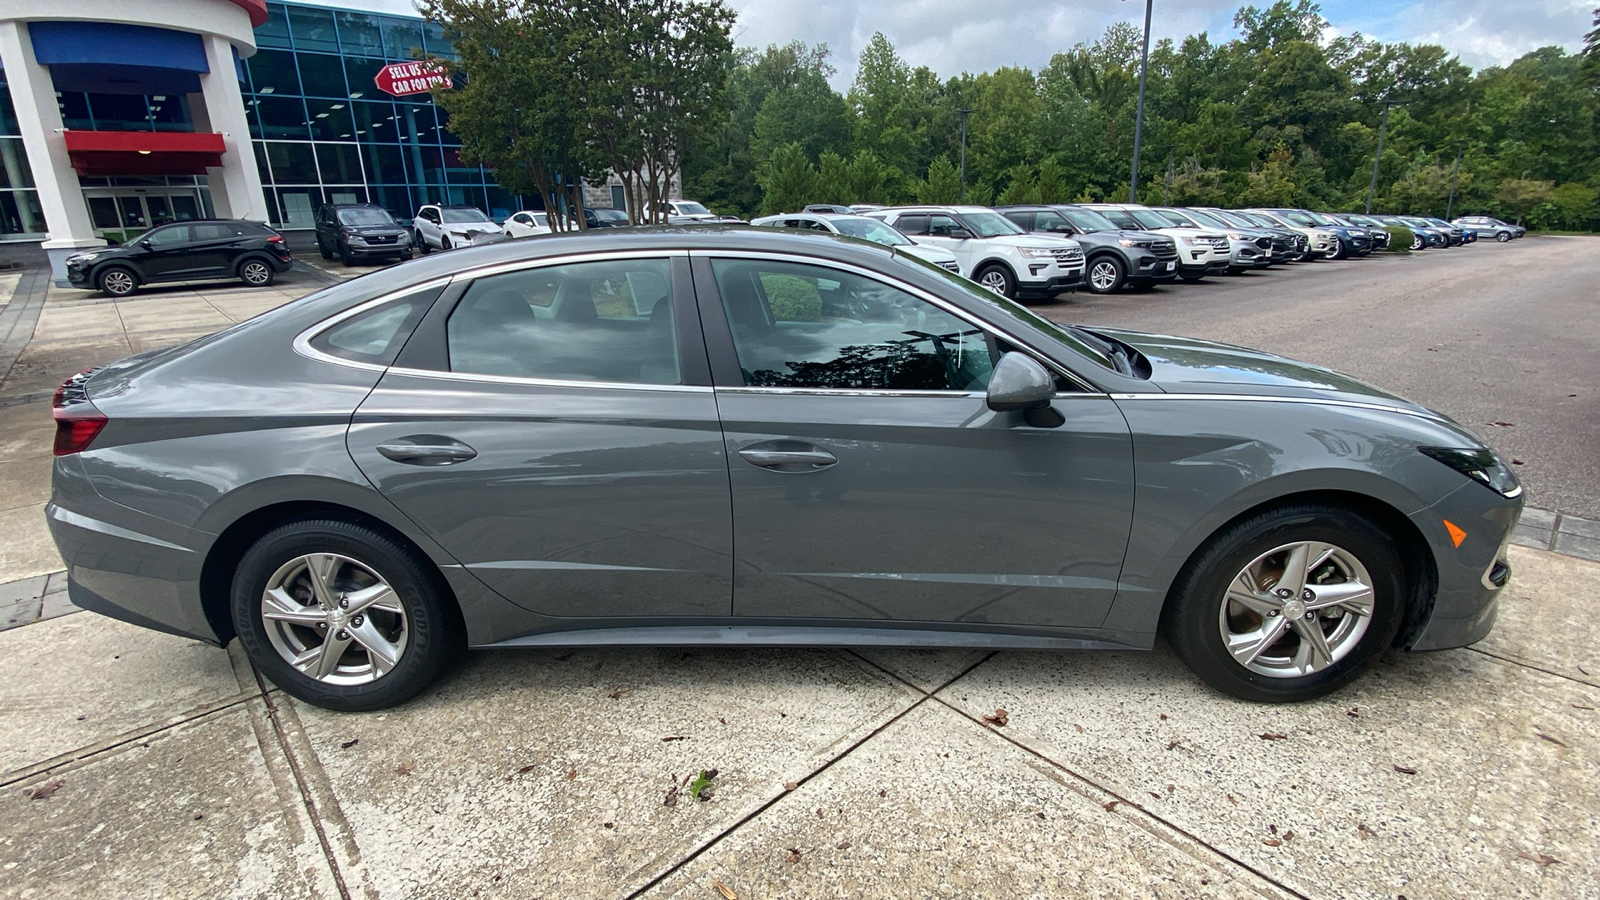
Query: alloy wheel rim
995	281
334	619
118	282
1103	276
255	273
1296	609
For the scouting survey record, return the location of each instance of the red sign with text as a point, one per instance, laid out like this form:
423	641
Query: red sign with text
404	79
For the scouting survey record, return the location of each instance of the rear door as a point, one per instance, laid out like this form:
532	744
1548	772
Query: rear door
554	428
870	479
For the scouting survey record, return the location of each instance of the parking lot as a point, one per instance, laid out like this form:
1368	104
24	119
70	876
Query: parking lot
137	764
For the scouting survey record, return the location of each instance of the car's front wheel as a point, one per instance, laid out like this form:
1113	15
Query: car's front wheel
345	256
118	281
1502	237
996	278
1417	243
323	249
341	615
1288	605
1106	274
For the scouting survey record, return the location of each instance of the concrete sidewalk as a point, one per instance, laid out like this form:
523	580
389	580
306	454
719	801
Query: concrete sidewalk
138	764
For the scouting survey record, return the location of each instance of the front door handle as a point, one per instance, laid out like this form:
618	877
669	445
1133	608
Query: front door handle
788	456
427	450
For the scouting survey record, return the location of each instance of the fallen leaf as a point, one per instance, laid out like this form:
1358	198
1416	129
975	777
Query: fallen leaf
1161	716
47	790
672	796
998	718
1353	712
1504	424
791	785
617	694
1404	770
1583	670
1041	816
350	743
405	768
1172	745
1541	859
1272	828
1080	727
1273	736
1516	462
1545	737
883	793
794	855
199	816
675	737
1589	708
527	768
723	721
571	774
609	824
1365	832
702	786
1171	788
842	845
1288	835
1111	805
1154	794
724	890
1272	842
1233	801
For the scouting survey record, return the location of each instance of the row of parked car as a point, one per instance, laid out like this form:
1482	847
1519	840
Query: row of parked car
1038	251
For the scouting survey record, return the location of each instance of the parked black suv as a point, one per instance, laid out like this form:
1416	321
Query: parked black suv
360	231
197	250
1114	257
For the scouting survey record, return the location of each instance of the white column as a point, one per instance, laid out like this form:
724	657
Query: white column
236	187
66	215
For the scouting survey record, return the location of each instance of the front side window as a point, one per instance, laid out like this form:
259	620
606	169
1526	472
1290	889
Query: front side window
805	326
169	236
607	321
1151	219
990	224
945	226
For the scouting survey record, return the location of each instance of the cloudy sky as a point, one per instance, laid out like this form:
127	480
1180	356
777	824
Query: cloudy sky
951	36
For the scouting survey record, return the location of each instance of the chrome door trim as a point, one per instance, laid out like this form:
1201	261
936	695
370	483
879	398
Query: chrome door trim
550	382
929	296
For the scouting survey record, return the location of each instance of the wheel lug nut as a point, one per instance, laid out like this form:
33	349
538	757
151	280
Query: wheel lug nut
357	621
1310	615
323	625
343	635
344	603
1307	595
1272	613
1285	593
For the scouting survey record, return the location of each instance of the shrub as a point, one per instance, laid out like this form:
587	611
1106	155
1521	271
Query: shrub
1399	238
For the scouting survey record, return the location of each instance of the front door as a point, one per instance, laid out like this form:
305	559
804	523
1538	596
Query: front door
870	479
554	429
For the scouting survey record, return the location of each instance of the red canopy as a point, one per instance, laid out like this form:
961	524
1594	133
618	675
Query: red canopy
143	152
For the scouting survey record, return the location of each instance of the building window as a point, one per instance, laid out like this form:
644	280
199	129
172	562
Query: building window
21	218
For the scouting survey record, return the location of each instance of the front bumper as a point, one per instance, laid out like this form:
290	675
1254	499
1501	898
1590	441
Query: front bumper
1471	576
1036	290
1146	267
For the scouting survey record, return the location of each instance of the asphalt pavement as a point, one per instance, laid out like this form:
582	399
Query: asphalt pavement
1502	337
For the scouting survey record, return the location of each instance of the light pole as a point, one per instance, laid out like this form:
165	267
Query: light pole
963	113
1383	126
1454	173
1138	119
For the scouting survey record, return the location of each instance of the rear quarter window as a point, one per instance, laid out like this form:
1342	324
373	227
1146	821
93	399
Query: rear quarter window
376	335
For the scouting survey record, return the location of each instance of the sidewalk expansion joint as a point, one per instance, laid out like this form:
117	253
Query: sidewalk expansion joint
304	788
1512	661
800	782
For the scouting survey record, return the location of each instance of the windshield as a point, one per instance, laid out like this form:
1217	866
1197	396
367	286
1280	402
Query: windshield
690	208
1149	218
990	224
458	216
611	215
1208	220
1259	219
365	215
1232	219
1016	311
1087	219
1121	217
1299	218
871	229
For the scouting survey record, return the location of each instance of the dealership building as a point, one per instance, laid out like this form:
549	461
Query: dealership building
119	116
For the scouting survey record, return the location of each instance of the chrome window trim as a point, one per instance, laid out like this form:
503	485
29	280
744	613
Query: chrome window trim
565	259
852	392
929	296
1259	398
550	382
302	341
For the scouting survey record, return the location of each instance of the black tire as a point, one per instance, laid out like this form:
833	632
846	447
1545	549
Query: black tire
422	244
117	281
432	634
1193	614
323	249
444	242
1502	237
345	257
997	278
1191	279
1106	274
256	272
1340	251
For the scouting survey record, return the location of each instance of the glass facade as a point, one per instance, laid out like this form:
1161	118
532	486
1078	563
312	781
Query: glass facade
324	133
20	215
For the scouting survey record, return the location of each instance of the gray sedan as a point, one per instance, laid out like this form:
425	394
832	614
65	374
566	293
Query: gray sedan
717	436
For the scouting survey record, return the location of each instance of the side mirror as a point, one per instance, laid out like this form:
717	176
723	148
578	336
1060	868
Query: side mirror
146	244
960	234
1020	383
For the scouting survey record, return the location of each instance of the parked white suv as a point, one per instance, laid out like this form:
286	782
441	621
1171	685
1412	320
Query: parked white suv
866	228
1201	251
443	227
1321	242
992	249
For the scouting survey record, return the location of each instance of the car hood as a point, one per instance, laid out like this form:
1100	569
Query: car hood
375	229
1190	365
928	252
1031	241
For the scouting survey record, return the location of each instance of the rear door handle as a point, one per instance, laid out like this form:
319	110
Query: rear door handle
788	456
427	450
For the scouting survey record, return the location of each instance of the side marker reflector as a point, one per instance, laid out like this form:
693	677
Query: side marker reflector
1456	534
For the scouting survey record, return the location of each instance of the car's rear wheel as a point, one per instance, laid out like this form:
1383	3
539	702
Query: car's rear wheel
1106	274
323	249
340	615
1288	605
118	281
256	273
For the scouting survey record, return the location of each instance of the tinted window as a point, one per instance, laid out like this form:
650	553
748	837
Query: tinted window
166	237
806	326
913	224
215	231
944	226
990	224
1121	218
1050	220
376	335
597	321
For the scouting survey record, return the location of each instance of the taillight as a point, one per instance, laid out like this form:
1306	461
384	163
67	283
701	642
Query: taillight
78	423
275	239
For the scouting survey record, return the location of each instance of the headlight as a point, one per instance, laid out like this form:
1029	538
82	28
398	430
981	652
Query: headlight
1481	465
1186	240
1237	236
86	257
1036	253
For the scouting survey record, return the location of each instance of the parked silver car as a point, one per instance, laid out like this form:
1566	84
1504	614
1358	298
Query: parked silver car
722	437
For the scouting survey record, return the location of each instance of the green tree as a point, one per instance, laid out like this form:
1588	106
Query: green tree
789	180
833	180
943	184
1521	196
868	178
1051	188
808	112
1021	188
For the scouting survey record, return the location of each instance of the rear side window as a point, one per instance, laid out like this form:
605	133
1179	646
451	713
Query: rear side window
916	223
215	231
604	321
377	334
